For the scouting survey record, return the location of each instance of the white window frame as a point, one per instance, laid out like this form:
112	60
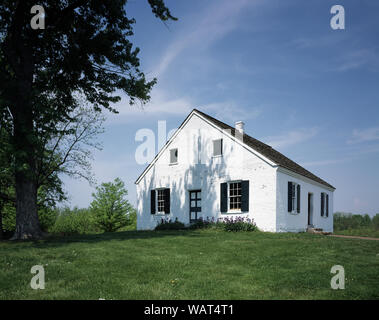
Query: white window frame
229	196
157	200
177	156
294	198
213	148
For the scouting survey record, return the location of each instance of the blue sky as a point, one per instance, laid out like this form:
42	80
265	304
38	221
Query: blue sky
309	91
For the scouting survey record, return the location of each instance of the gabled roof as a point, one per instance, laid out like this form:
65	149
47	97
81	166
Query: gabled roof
262	148
267	151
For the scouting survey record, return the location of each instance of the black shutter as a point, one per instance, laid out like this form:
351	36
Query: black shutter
298	198
322	204
327	205
289	196
166	201
224	197
245	196
152	201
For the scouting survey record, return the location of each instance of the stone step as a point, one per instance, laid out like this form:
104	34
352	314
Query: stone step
317	231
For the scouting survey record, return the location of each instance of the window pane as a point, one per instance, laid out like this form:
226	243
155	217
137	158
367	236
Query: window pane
199	195
160	200
217	147
193	195
235	192
193	204
173	155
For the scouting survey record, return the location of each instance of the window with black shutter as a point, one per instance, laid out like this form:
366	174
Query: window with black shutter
298	198
223	197
293	197
327	205
152	201
245	196
322	204
235	196
290	196
161	198
166	201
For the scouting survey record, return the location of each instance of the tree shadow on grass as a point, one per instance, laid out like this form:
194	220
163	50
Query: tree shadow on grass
56	241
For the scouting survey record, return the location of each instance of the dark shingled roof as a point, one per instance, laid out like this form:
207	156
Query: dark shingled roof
268	151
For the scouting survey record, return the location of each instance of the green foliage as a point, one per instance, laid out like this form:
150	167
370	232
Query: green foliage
204	224
9	217
75	221
132	219
167	224
47	218
356	225
226	224
46	208
375	221
239	224
86	50
110	207
348	221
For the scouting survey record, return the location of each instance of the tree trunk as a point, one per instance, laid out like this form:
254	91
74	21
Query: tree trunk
25	141
27	222
18	53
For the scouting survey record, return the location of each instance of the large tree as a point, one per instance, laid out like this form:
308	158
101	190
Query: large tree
84	49
68	152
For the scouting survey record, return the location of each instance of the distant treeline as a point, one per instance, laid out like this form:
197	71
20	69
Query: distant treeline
349	221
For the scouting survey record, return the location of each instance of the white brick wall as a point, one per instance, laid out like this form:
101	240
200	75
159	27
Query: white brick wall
286	221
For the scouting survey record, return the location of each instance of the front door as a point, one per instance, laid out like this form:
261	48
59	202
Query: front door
195	204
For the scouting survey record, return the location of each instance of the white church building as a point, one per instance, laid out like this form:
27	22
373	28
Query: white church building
208	169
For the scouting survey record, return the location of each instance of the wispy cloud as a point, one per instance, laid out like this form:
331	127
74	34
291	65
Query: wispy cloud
329	40
364	135
359	59
291	138
322	163
218	20
231	111
161	103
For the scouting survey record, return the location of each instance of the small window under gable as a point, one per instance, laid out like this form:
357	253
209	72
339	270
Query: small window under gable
173	156
217	147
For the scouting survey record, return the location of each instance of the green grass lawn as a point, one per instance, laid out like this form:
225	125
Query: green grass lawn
361	232
200	264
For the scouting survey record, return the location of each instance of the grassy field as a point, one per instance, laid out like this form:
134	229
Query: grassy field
200	264
362	232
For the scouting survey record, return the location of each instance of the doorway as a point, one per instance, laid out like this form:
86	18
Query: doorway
195	204
310	209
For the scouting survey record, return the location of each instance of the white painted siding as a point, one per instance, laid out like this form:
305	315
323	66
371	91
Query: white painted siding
197	169
297	222
237	163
